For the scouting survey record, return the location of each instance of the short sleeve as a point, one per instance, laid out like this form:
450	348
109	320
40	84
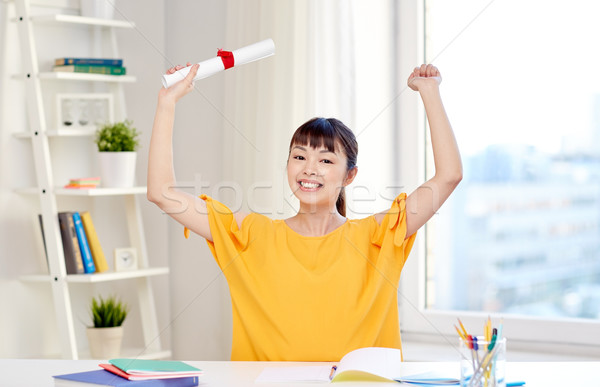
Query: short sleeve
227	238
392	229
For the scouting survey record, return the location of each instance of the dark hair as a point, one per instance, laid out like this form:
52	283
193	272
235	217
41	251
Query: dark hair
329	133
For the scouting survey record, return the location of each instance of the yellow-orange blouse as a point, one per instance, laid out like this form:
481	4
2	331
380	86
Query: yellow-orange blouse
299	298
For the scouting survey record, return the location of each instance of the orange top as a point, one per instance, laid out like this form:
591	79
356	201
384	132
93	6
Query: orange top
298	298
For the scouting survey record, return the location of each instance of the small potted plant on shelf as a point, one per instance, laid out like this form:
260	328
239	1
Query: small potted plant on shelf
117	145
106	335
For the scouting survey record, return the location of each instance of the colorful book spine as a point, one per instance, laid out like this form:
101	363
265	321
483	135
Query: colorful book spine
86	254
95	247
91	69
88	61
70	242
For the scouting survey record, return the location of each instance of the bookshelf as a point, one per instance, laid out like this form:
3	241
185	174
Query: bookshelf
39	87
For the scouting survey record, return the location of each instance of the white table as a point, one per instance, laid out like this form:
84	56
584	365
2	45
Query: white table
34	373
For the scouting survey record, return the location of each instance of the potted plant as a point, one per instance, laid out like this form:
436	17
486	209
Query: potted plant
106	334
117	145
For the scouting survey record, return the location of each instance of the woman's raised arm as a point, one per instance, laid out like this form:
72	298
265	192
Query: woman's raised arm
426	200
185	208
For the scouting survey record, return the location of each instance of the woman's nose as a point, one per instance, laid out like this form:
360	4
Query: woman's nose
310	169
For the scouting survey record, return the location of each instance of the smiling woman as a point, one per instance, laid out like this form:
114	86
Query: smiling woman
284	274
322	158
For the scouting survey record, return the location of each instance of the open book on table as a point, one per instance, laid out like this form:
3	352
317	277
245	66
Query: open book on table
363	364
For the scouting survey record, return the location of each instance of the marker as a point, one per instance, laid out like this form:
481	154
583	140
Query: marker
492	343
515	384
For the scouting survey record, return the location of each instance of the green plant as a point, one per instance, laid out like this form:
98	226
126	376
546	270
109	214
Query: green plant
117	137
108	312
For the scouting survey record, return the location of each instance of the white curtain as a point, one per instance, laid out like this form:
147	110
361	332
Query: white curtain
333	58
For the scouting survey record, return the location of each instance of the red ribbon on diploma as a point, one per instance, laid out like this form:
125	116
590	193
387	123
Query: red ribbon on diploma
227	58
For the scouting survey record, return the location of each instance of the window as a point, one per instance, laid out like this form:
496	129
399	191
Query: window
520	238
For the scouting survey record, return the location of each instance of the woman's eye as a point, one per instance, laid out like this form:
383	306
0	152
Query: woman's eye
327	161
299	157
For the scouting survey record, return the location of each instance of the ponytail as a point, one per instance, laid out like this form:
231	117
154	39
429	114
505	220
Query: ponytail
340	204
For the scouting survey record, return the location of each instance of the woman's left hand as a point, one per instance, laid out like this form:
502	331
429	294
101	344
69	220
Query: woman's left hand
426	75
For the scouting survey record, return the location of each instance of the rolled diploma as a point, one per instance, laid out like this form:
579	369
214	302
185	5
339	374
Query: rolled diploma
212	66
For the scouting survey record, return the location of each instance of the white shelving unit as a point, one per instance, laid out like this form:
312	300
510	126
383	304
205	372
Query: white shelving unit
39	133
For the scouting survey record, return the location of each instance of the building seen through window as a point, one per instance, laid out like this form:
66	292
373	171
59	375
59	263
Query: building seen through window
521	234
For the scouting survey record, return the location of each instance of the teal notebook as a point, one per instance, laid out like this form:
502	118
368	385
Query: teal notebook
144	366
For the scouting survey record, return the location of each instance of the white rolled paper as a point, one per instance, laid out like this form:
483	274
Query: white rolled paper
214	65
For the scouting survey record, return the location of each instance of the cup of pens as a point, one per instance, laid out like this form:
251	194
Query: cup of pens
482	358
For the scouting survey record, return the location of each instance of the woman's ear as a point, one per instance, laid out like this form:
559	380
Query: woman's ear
350	176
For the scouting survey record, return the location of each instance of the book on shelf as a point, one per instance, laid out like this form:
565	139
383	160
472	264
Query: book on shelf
371	364
86	254
83	182
70	242
88	61
105	378
41	221
94	243
91	69
144	369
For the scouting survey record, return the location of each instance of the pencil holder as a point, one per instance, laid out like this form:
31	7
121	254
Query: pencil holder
482	363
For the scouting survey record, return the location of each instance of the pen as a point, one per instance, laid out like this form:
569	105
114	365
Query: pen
515	384
333	369
500	329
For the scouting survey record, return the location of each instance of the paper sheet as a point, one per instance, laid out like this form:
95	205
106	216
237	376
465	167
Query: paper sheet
294	374
215	65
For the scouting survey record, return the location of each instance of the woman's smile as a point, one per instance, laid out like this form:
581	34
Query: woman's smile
309	185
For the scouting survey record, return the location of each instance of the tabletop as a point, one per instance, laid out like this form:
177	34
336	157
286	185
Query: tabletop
34	373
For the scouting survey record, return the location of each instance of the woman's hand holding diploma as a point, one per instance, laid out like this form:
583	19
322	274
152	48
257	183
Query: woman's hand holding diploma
182	88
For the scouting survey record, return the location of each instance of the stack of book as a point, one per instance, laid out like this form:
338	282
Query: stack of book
90	65
83	182
81	246
135	372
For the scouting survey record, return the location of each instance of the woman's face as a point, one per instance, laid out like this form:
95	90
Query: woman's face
316	175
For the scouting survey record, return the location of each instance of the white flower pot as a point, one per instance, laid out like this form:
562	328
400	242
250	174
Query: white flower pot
105	343
117	169
98	8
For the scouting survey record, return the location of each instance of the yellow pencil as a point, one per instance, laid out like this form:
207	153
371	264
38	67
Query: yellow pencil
460	333
463	328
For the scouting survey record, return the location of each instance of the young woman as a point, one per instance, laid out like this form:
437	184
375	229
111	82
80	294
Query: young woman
317	285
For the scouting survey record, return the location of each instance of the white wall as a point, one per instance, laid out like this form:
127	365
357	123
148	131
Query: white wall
193	301
27	323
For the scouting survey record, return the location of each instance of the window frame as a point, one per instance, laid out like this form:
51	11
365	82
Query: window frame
537	334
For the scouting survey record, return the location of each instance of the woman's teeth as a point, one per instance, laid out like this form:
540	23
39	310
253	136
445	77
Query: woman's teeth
309	185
